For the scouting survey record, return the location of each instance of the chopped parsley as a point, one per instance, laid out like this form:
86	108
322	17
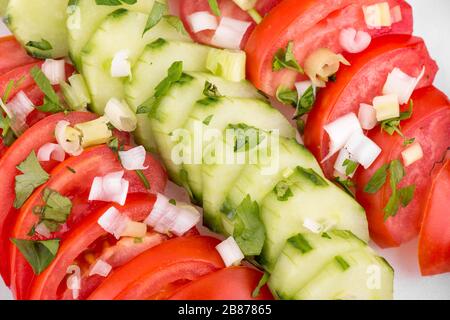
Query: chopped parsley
283	191
214	7
52	102
39	254
285	59
155	16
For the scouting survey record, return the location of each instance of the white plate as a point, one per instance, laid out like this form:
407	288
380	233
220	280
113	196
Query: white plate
430	22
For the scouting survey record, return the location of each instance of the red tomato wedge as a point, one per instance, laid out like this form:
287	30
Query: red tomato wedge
311	24
430	126
236	283
12	54
75	183
434	240
32	139
361	82
160	271
79	239
227	9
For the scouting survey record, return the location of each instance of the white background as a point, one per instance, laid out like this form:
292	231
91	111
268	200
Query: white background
433	24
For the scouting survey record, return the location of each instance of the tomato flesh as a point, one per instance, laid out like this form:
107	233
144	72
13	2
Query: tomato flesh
12	54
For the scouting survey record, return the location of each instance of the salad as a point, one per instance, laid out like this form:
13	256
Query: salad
217	149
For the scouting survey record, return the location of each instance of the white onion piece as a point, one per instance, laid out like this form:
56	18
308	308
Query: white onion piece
377	15
54	70
401	84
167	221
133	159
110	188
18	110
230	252
354	41
396	14
229	33
412	154
188	217
362	149
339	164
303	86
160	207
100	268
135	229
51	151
367	116
120	115
42	229
113	222
73	282
203	20
322	64
386	107
120	65
340	132
73	148
312	226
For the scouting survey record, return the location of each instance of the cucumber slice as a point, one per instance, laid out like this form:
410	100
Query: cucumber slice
356	275
256	181
223	112
324	204
304	255
151	68
121	30
3	4
85	16
172	112
39	20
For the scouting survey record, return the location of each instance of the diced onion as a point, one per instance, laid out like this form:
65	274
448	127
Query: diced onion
401	84
51	151
339	164
188	217
303	86
120	65
245	4
386	107
68	138
203	20
230	252
362	149
110	188
396	14
135	229
120	115
100	268
321	64
340	132
229	33
412	154
42	229
312	226
54	70
354	41
113	222
133	159
367	116
73	282
18	110
161	206
377	15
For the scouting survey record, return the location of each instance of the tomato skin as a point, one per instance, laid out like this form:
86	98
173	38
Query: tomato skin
32	139
235	283
294	20
434	239
227	9
12	54
183	258
76	186
360	83
430	126
78	239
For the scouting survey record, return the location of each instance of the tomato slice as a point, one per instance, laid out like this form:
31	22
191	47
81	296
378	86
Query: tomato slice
12	54
430	126
311	24
80	238
227	9
434	240
361	82
235	283
32	139
75	184
160	271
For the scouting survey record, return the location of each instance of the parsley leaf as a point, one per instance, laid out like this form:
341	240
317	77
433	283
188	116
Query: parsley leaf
249	231
33	176
262	282
305	103
283	191
287	96
55	211
208	119
143	179
346	184
299	242
312	176
114	2
285	59
246	137
39	254
377	180
211	90
214	7
51	100
393	125
350	166
176	22
157	13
